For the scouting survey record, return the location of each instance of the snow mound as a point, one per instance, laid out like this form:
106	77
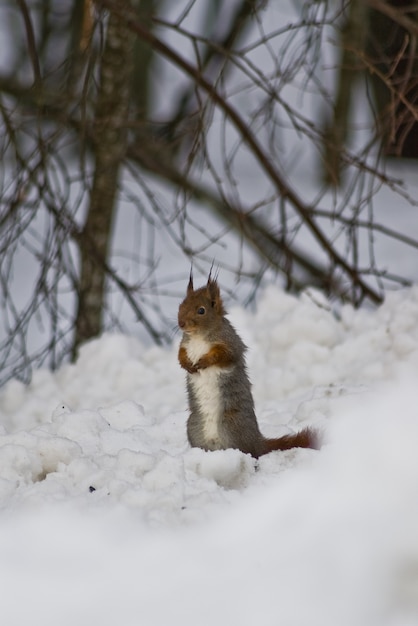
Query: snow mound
108	516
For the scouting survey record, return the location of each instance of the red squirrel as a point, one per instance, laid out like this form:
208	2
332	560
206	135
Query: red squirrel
219	391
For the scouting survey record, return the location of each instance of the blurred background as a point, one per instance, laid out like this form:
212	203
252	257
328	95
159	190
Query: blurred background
275	140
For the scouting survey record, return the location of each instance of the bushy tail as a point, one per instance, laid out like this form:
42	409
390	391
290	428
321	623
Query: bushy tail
306	438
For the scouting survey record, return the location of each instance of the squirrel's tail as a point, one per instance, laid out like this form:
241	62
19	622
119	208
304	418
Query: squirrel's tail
306	438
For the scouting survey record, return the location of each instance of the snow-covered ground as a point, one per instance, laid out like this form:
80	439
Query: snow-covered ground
108	517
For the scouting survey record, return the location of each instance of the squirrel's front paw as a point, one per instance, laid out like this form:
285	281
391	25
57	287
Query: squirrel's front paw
192	369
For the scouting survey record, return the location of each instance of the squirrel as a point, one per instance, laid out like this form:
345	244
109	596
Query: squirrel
219	391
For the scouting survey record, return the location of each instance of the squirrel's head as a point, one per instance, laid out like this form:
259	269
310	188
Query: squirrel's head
202	309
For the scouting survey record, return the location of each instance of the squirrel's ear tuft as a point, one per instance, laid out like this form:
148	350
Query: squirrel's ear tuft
190	285
215	279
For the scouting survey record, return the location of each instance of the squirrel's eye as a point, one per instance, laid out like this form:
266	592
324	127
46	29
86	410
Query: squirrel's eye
201	310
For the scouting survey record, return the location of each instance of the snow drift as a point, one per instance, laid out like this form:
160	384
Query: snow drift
108	516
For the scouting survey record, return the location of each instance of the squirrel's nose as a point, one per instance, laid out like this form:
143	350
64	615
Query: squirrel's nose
182	323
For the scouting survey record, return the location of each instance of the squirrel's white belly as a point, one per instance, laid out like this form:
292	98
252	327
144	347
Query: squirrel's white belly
205	384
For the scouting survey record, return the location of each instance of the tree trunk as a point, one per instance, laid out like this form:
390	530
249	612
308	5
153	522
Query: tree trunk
337	128
393	49
110	142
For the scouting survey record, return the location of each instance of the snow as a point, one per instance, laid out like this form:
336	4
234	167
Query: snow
109	517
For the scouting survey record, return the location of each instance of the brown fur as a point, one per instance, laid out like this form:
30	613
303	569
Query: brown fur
306	438
218	355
